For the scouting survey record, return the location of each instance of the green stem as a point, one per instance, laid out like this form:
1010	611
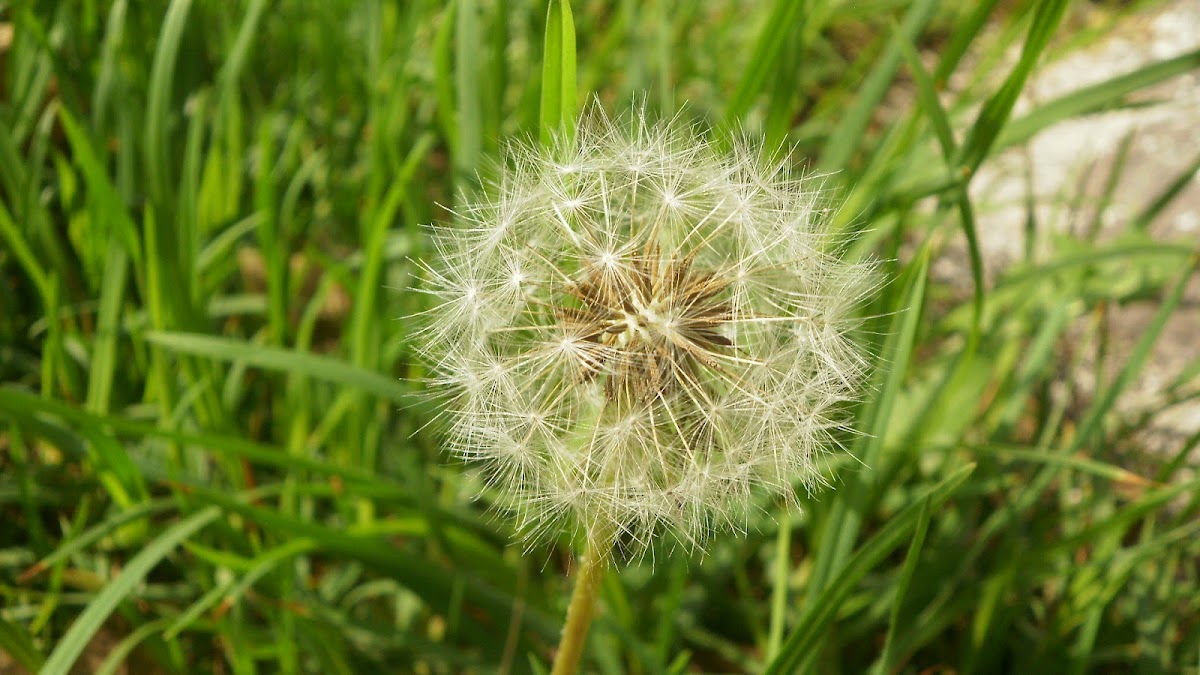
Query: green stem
779	596
581	609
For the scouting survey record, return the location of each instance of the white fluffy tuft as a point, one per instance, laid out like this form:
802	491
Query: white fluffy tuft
637	332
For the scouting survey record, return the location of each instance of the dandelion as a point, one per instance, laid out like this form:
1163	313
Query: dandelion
639	332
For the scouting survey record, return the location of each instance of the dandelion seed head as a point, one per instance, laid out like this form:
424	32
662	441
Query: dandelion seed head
639	332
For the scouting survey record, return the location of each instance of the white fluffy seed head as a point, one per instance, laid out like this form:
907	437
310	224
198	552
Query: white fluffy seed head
637	332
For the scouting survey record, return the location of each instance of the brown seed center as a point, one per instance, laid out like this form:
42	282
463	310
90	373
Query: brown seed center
652	324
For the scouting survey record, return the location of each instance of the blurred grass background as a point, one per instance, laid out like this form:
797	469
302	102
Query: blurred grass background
212	459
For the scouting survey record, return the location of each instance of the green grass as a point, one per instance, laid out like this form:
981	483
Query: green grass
213	454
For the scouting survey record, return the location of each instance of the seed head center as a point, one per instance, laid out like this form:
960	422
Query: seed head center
654	322
636	321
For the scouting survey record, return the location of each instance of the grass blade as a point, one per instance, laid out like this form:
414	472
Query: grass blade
104	348
285	360
468	89
768	48
842	528
885	662
992	118
158	172
927	94
233	591
964	37
803	640
95	533
1095	98
559	95
1089	428
433	583
15	642
101	190
779	594
1173	189
844	140
98	610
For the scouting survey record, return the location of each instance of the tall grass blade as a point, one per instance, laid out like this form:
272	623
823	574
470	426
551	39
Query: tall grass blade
784	20
845	521
800	644
844	140
559	95
67	651
322	368
992	118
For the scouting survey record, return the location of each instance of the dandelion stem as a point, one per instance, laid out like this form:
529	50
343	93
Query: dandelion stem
582	607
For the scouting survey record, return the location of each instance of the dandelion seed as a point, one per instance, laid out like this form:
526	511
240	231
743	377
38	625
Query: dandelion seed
638	332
